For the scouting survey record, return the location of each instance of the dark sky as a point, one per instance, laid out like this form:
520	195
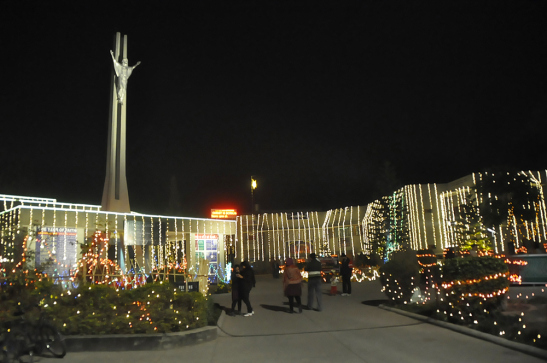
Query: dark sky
312	97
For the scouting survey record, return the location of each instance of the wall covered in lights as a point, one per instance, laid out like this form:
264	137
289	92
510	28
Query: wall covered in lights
421	216
280	235
136	244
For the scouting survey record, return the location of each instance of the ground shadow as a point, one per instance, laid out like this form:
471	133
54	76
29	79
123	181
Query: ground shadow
375	302
275	308
226	309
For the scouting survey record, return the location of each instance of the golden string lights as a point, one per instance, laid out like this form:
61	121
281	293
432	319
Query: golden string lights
450	284
426	255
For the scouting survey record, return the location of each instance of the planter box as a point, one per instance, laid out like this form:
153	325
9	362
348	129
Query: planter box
535	270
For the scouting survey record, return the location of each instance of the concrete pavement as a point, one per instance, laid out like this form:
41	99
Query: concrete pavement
349	329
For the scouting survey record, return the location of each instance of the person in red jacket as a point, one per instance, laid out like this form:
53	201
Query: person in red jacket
292	285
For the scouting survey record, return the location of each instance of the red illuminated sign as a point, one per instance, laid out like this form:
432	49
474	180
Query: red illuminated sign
223	213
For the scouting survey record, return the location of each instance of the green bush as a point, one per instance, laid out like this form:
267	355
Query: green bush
22	289
101	309
400	275
473	287
223	287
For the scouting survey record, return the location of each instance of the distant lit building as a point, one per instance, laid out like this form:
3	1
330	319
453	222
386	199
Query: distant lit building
421	216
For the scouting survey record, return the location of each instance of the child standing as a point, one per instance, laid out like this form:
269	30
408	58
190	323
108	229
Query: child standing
333	284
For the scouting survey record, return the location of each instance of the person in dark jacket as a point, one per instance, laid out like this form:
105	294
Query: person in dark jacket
275	268
346	271
235	290
313	267
247	282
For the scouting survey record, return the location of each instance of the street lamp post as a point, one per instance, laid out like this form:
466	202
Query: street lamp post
253	187
251	235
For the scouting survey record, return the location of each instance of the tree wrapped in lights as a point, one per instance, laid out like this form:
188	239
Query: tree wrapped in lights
94	265
509	198
377	231
387	226
470	229
398	220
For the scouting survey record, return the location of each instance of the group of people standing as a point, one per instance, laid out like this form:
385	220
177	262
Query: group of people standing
243	280
292	282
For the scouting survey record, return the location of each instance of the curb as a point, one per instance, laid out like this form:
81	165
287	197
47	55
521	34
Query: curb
220	320
125	342
533	351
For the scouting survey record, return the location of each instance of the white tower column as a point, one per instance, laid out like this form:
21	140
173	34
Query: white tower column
115	194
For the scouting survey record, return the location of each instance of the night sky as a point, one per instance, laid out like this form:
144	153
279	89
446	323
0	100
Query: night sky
326	103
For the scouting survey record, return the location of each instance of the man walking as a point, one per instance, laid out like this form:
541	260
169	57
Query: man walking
313	267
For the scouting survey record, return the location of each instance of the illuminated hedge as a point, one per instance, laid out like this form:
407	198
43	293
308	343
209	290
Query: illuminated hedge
101	309
473	286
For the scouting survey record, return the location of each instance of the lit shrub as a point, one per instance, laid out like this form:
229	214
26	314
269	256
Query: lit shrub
152	308
400	275
473	287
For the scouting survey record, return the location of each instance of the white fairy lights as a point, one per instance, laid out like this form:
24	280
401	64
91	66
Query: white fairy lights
423	214
152	248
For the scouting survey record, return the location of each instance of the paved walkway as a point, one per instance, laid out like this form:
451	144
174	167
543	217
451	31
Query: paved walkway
349	329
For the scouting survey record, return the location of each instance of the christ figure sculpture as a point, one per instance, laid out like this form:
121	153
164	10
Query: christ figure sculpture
123	71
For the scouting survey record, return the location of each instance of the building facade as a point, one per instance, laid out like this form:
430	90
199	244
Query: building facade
420	216
127	247
133	246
